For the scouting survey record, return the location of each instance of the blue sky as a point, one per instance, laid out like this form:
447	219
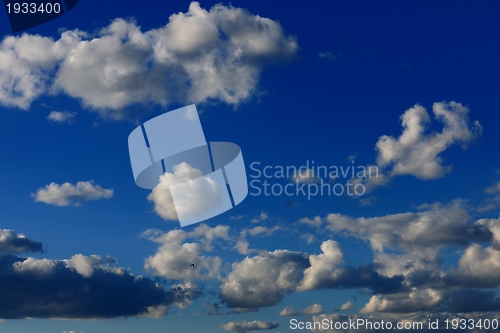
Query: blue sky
410	88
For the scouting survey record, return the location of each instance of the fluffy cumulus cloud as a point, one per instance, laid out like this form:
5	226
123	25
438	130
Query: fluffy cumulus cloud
416	152
425	232
68	194
478	267
82	287
200	55
323	266
417	300
245	326
192	199
61	116
493	188
315	221
179	259
289	311
263	280
313	309
426	300
346	306
409	248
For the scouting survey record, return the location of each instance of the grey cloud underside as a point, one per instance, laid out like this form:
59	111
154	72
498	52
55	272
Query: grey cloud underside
78	288
64	293
410	245
265	279
10	242
244	326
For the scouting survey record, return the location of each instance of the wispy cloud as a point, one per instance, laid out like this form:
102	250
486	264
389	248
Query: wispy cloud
328	56
245	326
61	116
68	194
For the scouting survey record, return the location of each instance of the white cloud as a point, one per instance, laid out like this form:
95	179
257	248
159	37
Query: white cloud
262	217
263	231
192	200
478	267
242	246
493	188
309	238
244	326
264	279
69	194
85	266
288	311
323	266
237	217
26	64
417	300
313	309
201	55
175	256
61	116
39	267
346	306
407	264
315	221
423	233
416	152
368	201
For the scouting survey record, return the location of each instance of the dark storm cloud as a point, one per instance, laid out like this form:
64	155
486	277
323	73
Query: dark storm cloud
53	289
10	242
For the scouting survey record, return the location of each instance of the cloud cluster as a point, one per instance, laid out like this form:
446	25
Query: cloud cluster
310	310
245	326
424	232
82	287
200	55
408	246
175	256
416	152
68	194
263	280
346	306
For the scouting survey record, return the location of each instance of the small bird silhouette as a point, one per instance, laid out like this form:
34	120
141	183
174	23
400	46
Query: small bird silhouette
192	265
